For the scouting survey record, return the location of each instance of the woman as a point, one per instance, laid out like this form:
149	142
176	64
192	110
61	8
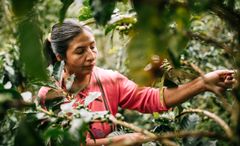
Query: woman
75	44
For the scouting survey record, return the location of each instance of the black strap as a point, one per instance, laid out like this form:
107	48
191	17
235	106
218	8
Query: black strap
113	127
103	93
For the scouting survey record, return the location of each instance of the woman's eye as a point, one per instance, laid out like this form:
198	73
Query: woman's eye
92	47
79	51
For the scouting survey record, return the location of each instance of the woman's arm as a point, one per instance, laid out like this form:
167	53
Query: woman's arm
216	81
119	140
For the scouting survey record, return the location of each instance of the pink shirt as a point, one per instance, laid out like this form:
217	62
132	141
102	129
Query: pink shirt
119	91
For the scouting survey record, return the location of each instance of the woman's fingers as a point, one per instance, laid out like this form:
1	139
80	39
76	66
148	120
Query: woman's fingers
221	79
226	75
230	77
227	82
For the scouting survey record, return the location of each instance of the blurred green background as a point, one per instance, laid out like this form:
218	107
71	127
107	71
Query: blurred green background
143	39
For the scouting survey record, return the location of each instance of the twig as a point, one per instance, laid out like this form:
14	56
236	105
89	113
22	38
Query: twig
52	114
182	134
225	104
197	69
45	111
236	107
209	40
131	126
89	22
129	142
150	136
168	142
227	14
217	119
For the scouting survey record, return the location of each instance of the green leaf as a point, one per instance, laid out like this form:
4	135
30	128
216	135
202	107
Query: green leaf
86	2
102	10
174	57
189	122
29	38
91	97
9	94
118	20
163	128
22	7
85	13
58	70
63	11
54	103
76	125
27	135
69	82
53	132
109	28
27	96
88	116
2	86
47	83
200	5
60	136
136	68
164	122
10	98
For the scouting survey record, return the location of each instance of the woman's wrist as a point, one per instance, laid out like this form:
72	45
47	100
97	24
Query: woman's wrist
110	140
202	84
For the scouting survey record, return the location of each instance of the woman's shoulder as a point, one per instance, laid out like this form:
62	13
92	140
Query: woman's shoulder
108	74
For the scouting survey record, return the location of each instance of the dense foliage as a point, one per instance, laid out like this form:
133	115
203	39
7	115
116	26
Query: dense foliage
153	42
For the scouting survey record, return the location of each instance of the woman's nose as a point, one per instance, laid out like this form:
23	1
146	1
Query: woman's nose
91	54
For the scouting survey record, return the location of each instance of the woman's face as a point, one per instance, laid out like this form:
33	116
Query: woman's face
81	54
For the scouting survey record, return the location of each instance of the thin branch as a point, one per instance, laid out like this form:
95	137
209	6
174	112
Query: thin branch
168	142
89	21
219	8
236	107
182	134
209	40
217	119
150	136
131	126
197	69
225	104
228	14
46	111
130	142
164	138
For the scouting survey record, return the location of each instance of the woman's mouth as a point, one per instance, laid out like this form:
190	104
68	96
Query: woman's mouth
89	66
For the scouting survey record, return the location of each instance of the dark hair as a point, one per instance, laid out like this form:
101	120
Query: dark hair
62	34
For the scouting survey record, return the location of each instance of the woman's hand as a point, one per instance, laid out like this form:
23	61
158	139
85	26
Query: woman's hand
219	80
216	81
129	139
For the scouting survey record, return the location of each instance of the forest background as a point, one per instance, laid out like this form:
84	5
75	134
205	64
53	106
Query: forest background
153	42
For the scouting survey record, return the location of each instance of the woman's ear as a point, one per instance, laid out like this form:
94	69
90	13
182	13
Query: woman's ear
59	57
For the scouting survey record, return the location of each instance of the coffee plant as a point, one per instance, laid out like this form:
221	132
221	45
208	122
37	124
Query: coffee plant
153	42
